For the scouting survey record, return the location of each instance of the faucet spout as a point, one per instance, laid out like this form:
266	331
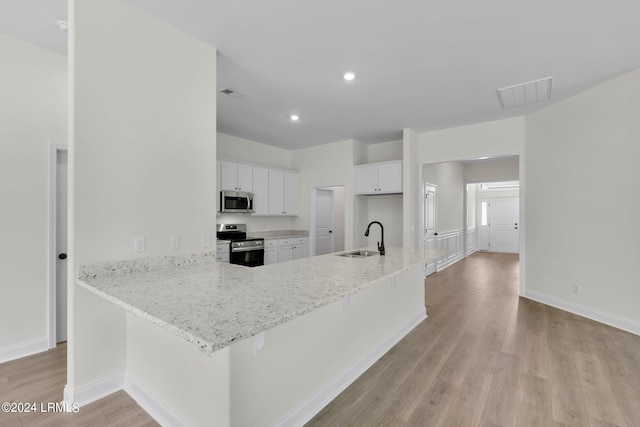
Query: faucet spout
380	244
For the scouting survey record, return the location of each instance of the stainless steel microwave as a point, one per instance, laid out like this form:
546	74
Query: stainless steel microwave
236	201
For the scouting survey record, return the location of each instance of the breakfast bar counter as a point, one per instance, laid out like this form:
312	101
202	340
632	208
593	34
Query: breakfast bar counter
211	343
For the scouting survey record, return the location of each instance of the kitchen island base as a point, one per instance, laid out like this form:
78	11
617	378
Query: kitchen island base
282	376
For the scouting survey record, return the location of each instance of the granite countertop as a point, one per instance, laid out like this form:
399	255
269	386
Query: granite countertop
214	304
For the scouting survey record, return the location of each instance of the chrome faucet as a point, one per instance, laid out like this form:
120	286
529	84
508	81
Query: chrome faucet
366	233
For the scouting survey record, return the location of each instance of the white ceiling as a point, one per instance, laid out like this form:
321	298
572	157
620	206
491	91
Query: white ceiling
422	64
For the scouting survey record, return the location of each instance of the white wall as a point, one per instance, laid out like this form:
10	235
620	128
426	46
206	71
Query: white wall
497	138
142	158
582	184
493	170
325	166
234	148
384	151
472	197
32	115
449	179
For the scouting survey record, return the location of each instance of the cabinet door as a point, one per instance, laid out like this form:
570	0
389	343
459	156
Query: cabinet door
290	193
390	178
245	178
366	179
285	253
261	191
276	192
270	256
228	176
299	251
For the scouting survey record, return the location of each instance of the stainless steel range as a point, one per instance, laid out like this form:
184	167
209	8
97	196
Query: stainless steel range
243	250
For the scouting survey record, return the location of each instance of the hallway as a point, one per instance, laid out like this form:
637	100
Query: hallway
485	357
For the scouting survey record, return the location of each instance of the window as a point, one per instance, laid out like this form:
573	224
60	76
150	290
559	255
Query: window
483	213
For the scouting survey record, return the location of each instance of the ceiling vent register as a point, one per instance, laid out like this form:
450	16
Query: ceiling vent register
525	93
231	93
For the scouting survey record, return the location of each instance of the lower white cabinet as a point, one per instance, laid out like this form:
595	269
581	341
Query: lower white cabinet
292	248
281	250
222	252
270	251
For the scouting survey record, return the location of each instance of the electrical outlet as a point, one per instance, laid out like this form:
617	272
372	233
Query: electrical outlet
138	244
206	240
174	242
575	289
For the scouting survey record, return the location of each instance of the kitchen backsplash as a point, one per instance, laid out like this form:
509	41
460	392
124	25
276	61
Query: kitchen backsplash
256	223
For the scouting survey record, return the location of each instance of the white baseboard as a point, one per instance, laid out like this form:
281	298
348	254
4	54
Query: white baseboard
147	401
24	349
588	312
321	398
92	392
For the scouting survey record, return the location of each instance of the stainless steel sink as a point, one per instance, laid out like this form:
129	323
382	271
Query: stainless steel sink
357	254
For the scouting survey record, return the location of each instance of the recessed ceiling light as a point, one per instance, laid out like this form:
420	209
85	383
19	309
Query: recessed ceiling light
348	76
483	158
294	117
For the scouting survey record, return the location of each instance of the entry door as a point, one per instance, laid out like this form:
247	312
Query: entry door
503	225
61	246
430	223
324	222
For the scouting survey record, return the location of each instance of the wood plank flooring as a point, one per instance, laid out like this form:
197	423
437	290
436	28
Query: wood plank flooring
42	377
485	357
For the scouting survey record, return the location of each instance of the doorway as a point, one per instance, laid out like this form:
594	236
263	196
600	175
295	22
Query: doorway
328	220
58	245
430	233
498	224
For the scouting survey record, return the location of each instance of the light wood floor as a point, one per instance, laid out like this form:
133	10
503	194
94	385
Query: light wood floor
42	377
485	357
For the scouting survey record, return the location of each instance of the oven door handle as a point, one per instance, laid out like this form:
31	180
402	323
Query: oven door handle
246	249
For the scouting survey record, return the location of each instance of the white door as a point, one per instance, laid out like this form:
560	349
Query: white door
430	223
503	225
482	222
324	222
61	247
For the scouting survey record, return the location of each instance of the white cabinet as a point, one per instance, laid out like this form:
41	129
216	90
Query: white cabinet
283	192
379	178
236	176
292	248
222	252
270	251
260	191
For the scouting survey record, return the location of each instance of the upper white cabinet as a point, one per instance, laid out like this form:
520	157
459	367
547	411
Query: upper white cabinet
283	193
260	191
379	178
236	176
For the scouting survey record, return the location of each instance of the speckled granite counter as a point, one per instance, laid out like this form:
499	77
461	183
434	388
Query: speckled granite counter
215	304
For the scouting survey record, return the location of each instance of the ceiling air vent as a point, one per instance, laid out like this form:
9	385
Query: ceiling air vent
525	93
230	92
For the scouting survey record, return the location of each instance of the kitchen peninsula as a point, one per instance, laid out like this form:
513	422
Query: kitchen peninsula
212	343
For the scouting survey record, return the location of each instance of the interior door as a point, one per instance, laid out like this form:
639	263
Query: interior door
430	223
61	247
503	225
324	222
